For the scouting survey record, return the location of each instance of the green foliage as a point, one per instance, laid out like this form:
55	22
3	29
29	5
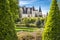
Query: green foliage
38	23
25	20
52	26
28	20
26	25
7	28
14	9
32	22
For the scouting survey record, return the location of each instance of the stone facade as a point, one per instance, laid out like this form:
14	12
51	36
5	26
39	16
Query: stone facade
30	12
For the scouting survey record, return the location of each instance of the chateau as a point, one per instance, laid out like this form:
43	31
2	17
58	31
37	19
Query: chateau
30	12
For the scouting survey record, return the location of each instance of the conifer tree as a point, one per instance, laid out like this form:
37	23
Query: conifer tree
14	9
52	26
7	30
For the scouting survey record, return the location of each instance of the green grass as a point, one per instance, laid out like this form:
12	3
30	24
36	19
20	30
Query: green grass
28	29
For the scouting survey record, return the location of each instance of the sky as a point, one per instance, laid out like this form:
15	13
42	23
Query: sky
44	4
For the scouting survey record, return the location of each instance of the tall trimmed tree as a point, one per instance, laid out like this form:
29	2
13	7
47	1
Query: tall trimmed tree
14	9
52	26
7	29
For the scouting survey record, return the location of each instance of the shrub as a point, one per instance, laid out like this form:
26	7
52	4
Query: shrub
38	23
7	25
32	25
36	35
28	20
52	26
21	25
25	36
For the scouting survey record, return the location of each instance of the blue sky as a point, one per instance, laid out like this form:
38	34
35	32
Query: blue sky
44	4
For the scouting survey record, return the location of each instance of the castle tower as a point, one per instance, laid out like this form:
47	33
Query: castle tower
33	8
26	10
40	12
40	9
30	10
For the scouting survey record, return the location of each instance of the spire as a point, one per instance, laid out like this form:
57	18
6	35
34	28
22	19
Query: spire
40	9
33	8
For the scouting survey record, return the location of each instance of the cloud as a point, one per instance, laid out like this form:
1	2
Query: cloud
25	2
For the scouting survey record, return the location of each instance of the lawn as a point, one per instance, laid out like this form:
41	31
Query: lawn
28	29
